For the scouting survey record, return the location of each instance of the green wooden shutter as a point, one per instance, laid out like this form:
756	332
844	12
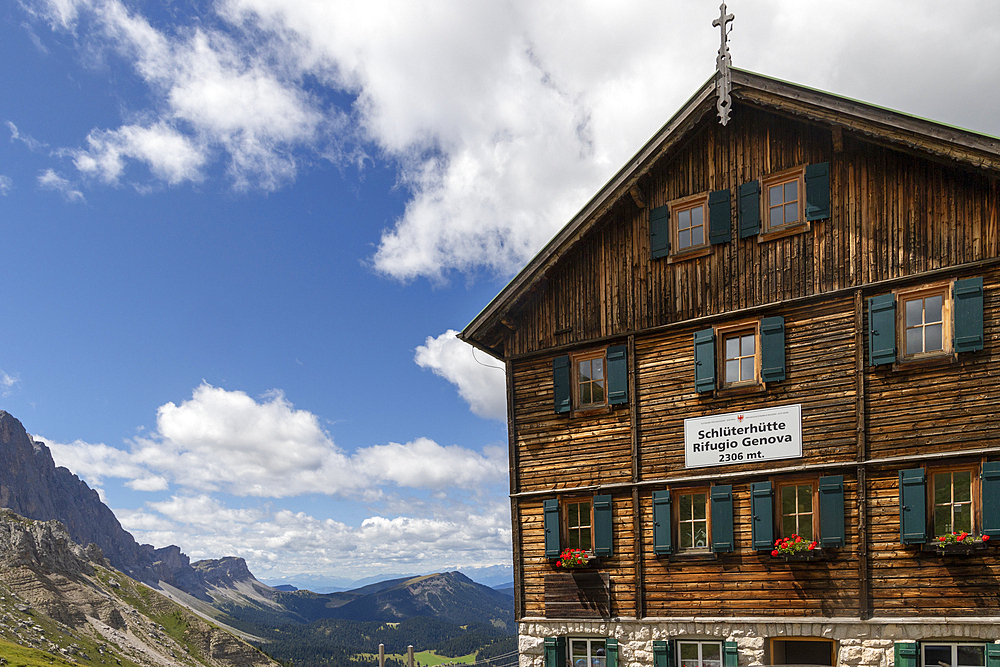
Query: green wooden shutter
662	534
561	384
611	651
990	493
993	655
762	511
722	518
555	652
969	315
882	329
818	191
772	349
730	654
831	511
659	232
912	510
704	360
749	209
617	373
660	654
603	526
719	217
905	654
551	511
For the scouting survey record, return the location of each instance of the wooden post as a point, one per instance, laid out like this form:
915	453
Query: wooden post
381	655
409	655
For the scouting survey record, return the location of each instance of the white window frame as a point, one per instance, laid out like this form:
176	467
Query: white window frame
700	643
954	652
590	651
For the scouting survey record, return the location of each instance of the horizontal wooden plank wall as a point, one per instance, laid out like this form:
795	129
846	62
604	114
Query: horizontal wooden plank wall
945	405
752	583
905	581
559	451
820	372
620	566
893	215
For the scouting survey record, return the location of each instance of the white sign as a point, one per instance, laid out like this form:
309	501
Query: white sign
739	437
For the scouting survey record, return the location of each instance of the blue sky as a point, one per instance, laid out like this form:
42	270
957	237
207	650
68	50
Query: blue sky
239	236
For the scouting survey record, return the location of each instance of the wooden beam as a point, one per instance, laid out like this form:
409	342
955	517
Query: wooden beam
638	196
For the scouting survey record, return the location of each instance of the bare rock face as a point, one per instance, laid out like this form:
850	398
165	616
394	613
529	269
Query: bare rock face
33	487
53	591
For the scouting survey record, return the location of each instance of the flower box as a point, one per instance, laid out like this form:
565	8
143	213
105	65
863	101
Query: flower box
574	559
975	549
815	554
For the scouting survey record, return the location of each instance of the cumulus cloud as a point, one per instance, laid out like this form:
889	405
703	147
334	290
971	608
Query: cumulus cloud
50	180
502	118
480	384
6	185
283	542
222	440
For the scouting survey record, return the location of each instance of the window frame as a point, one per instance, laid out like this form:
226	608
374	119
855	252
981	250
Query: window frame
903	296
564	504
589	641
575	359
954	651
975	504
700	643
798	175
730	331
779	487
678	206
676	512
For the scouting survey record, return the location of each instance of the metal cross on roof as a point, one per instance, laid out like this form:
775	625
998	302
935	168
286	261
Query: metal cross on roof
723	62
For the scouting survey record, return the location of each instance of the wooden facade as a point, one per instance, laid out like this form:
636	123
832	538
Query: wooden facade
911	219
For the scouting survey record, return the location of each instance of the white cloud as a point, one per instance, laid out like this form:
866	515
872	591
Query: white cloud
50	180
223	440
6	185
283	542
481	384
502	118
171	156
8	383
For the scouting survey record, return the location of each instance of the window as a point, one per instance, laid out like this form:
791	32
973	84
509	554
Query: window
579	524
783	200
587	653
952	494
690	228
927	322
960	498
699	654
749	354
953	654
590	380
796	504
692	520
812	509
740	357
783	204
802	652
924	322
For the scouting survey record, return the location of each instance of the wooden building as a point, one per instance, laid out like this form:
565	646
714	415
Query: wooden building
787	325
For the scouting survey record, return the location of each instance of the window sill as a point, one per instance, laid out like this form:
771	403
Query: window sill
783	232
693	557
741	390
935	359
592	411
693	253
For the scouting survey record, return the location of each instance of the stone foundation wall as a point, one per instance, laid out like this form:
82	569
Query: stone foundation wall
858	643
